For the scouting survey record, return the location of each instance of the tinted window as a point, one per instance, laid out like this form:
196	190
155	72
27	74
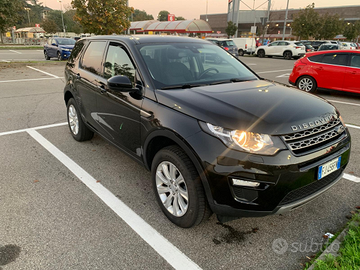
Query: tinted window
299	44
328	47
355	60
118	63
274	44
335	59
65	41
227	43
283	43
316	58
93	57
75	53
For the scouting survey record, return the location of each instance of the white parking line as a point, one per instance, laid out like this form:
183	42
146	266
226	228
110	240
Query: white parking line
15	51
342	102
271	71
251	64
160	244
352	126
6	61
43	72
27	80
351	177
34	128
283	75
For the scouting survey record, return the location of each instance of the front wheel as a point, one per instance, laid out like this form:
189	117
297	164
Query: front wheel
46	56
261	53
241	53
59	57
78	129
287	55
178	188
307	83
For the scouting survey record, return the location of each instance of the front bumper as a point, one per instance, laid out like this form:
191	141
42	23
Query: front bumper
65	54
286	181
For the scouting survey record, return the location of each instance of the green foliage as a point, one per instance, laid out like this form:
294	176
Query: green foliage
141	15
329	26
50	26
306	22
231	29
180	18
351	30
70	24
102	17
163	15
9	13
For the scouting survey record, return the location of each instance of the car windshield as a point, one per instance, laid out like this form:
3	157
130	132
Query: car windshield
328	47
186	65
65	41
227	43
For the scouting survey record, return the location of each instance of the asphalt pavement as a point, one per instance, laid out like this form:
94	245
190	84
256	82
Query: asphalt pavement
71	205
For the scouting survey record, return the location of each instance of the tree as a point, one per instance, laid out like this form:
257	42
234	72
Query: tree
180	18
70	24
231	29
141	15
9	14
102	17
306	22
329	26
50	26
163	15
350	31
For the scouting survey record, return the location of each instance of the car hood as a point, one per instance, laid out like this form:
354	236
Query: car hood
66	47
258	106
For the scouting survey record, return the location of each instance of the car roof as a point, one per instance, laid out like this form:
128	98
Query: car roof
331	51
147	39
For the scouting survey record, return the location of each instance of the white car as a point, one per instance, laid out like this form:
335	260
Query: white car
284	48
348	46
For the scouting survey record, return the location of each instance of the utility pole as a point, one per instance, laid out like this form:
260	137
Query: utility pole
286	14
28	12
206	10
62	16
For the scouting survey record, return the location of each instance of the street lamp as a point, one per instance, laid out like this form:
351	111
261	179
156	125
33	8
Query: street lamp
62	15
206	19
28	11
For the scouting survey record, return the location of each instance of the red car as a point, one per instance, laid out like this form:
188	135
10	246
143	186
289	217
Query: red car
334	70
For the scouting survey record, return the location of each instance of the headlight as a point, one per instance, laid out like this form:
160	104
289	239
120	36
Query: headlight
244	140
66	50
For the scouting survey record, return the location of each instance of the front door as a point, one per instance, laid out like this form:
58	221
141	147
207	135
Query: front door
119	112
352	74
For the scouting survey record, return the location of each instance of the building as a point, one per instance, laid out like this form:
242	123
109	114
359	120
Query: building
273	28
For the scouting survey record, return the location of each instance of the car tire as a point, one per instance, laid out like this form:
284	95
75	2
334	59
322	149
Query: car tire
261	53
59	57
78	129
287	55
307	84
46	56
178	188
241	52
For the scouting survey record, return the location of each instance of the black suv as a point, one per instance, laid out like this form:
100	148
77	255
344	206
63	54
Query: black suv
216	137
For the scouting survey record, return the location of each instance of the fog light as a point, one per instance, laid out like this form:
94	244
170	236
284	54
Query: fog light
244	183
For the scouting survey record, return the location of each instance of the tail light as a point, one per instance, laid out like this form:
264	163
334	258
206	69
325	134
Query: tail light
308	50
297	47
245	46
226	48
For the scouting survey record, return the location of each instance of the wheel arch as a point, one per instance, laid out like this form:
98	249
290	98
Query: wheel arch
67	96
305	75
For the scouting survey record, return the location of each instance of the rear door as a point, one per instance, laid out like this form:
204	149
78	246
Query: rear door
331	71
352	75
272	48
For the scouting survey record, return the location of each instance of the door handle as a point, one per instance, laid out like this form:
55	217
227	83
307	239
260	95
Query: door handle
102	89
319	68
78	76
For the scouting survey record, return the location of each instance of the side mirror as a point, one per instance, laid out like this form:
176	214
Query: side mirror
54	44
120	83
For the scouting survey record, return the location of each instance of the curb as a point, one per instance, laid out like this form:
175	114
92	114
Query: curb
333	248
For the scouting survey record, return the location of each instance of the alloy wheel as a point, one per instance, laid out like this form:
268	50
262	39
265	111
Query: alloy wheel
73	120
306	84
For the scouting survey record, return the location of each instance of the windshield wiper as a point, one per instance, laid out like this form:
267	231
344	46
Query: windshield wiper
182	86
231	81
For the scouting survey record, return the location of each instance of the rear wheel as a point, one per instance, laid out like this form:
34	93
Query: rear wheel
78	129
241	52
178	188
46	56
306	83
287	55
261	53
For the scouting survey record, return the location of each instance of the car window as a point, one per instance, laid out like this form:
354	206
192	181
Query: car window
283	43
92	58
299	44
75	53
335	59
355	60
187	63
118	62
65	41
274	44
227	43
316	58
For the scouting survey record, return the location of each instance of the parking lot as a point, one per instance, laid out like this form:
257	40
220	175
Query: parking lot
71	205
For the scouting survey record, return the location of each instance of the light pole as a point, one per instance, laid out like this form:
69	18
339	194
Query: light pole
62	16
286	14
28	12
206	19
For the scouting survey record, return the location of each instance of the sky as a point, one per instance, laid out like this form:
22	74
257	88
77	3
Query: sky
191	9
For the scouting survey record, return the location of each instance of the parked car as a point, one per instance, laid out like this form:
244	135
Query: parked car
329	46
334	70
245	45
284	48
348	46
227	44
58	47
309	48
215	137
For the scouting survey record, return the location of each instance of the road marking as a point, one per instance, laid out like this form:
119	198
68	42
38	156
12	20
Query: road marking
34	128
15	51
342	102
26	80
160	244
274	71
352	126
351	177
284	75
251	64
6	61
44	72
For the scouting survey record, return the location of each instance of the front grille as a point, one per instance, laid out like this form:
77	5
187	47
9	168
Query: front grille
305	141
309	189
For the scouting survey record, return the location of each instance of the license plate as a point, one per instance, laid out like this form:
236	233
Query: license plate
329	167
